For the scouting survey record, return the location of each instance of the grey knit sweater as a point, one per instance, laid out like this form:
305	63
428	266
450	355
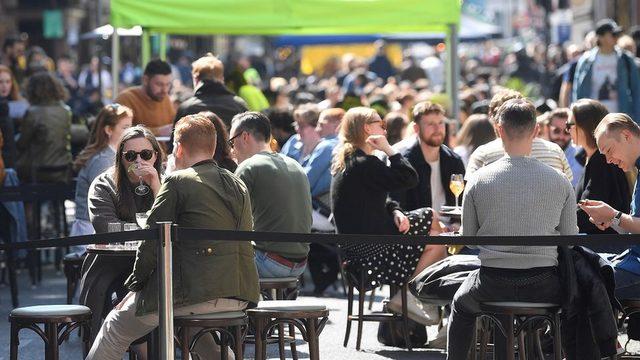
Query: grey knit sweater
518	196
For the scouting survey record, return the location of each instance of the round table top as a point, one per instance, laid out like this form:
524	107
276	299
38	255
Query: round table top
111	249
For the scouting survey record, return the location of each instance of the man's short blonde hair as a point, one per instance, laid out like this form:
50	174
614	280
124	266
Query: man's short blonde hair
196	134
332	115
208	67
500	98
614	123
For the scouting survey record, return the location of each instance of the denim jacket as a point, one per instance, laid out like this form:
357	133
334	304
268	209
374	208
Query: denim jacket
628	81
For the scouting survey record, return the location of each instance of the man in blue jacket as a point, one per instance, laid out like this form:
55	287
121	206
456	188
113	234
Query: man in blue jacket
608	74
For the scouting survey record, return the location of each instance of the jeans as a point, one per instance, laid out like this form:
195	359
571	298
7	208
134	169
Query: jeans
492	284
269	268
627	285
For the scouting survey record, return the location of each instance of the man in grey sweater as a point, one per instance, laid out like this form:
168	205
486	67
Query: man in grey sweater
516	195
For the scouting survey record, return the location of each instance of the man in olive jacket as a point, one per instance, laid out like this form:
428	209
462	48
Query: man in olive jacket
208	276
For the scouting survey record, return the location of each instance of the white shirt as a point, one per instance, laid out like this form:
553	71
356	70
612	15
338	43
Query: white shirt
604	77
438	198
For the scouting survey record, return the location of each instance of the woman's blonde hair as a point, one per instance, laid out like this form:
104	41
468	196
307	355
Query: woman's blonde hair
352	134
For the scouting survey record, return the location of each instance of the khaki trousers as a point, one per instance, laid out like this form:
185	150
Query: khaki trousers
122	327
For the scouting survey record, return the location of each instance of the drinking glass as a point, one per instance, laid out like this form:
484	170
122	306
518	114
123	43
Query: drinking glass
457	186
130	226
141	219
114	227
142	188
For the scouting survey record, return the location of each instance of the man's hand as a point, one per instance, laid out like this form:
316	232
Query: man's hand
599	212
401	221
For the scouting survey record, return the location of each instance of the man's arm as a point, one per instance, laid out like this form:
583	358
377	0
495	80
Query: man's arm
470	224
317	166
602	215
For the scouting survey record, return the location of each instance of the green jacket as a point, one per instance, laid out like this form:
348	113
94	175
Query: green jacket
208	197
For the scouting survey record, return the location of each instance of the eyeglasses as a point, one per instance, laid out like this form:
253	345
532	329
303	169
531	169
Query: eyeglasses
132	155
231	141
383	124
569	126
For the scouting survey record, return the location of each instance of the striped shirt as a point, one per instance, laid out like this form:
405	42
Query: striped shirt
545	151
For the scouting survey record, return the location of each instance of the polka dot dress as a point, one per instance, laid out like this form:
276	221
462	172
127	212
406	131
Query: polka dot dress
390	263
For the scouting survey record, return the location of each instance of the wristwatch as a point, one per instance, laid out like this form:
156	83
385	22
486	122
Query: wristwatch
616	219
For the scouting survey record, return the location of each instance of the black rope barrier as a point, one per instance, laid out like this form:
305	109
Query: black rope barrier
192	234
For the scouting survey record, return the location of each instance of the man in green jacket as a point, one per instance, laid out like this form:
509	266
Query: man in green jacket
280	195
208	276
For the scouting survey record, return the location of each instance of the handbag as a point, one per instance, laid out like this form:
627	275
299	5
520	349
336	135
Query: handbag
420	221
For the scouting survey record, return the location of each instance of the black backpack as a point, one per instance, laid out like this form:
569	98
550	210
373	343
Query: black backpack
417	334
633	329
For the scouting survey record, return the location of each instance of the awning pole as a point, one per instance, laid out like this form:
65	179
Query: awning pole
453	70
163	46
165	295
115	63
146	48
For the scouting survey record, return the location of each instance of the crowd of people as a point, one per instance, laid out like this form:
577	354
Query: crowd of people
361	148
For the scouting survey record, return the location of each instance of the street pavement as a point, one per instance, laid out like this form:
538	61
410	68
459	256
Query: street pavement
53	287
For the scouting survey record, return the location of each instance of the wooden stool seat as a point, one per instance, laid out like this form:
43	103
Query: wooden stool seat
513	318
58	320
308	318
227	328
279	283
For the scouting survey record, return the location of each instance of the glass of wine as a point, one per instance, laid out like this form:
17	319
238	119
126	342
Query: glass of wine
142	188
141	219
457	186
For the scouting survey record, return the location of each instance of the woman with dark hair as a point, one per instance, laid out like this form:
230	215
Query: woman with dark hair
600	180
112	195
12	106
477	130
396	126
223	151
45	132
97	156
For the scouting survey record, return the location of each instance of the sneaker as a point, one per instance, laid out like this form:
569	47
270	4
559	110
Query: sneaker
415	310
440	342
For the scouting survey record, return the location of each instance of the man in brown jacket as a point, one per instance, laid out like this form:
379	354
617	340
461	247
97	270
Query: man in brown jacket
209	276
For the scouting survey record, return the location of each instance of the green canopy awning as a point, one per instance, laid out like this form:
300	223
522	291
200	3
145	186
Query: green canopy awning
294	17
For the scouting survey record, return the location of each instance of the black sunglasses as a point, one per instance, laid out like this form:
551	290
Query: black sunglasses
569	125
230	141
145	154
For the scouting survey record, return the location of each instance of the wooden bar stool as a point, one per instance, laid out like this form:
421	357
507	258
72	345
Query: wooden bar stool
309	319
72	267
520	317
227	328
58	320
281	289
629	307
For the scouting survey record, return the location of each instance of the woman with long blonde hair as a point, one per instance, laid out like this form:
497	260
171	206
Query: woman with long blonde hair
359	194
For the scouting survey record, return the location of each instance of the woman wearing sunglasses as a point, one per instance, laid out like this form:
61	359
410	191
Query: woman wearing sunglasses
97	156
600	181
113	196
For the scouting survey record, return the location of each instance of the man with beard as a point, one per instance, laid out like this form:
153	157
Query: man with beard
150	102
433	160
559	134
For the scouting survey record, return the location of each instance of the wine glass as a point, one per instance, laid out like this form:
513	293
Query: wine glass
141	219
457	186
142	189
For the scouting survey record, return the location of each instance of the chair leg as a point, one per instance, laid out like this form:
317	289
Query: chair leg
361	295
185	342
238	343
522	346
292	344
260	343
405	317
51	348
557	341
86	337
314	346
538	344
509	343
13	284
347	331
281	348
14	341
224	348
372	298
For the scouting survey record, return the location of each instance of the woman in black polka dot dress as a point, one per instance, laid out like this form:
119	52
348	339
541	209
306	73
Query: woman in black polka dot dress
359	190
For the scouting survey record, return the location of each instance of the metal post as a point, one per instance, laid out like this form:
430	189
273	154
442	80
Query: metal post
165	294
146	48
453	70
163	46
115	62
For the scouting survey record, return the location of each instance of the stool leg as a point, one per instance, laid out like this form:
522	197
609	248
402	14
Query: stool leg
13	352
281	348
86	337
260	345
522	346
508	328
185	342
372	298
361	295
405	317
292	344
13	284
238	342
51	349
314	346
349	313
224	349
557	343
538	344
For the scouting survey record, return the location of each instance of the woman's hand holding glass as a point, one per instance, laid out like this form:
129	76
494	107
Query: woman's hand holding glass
147	174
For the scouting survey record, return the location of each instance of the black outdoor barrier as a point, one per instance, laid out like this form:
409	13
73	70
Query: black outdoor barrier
180	233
